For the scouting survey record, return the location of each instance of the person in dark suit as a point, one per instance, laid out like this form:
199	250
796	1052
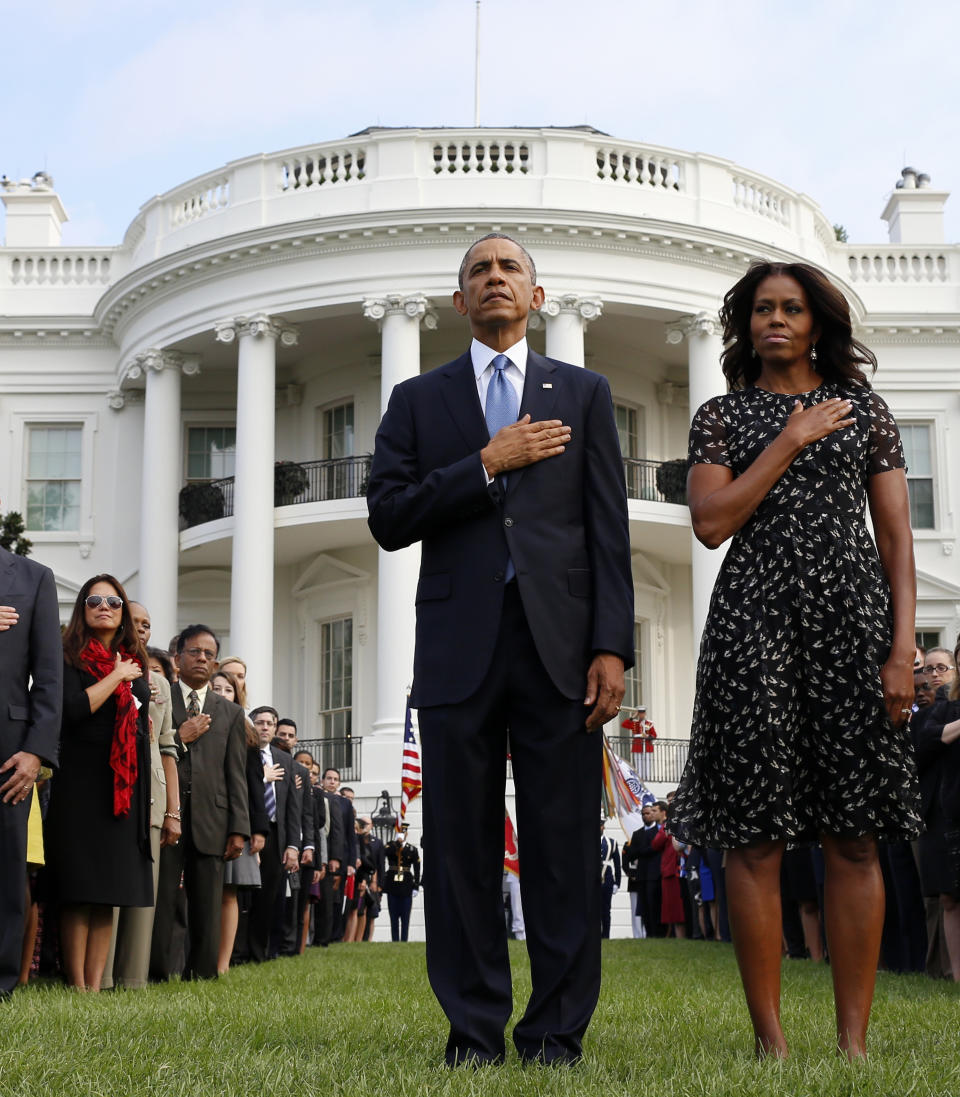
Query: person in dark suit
215	817
336	857
31	691
347	867
281	853
506	466
643	861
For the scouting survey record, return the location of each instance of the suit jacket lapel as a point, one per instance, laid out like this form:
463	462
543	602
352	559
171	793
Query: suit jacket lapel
8	564
177	708
463	403
540	392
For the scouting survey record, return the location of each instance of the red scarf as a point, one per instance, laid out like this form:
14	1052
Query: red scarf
123	750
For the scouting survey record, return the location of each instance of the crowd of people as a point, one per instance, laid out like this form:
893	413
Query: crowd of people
182	832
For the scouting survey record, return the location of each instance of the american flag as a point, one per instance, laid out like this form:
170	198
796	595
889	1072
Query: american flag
410	783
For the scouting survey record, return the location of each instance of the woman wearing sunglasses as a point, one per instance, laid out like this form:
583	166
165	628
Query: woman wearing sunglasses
97	829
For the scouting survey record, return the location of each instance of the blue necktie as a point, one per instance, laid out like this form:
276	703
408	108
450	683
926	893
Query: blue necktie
501	410
269	792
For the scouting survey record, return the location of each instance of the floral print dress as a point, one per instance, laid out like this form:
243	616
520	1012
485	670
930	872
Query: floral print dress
790	735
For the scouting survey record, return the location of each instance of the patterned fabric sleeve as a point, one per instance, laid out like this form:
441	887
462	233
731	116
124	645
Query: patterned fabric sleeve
708	437
884	451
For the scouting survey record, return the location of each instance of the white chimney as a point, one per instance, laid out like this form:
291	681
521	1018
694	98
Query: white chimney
914	212
35	214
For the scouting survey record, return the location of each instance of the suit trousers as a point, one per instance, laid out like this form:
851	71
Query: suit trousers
13	888
557	770
263	901
399	907
203	882
128	961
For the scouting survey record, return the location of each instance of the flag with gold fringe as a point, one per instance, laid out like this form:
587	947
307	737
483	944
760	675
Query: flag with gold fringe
624	794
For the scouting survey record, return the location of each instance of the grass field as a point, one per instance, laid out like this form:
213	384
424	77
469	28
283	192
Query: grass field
360	1020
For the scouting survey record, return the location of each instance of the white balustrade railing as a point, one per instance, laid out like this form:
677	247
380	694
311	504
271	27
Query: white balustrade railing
210	196
60	268
632	165
898	265
480	154
757	197
322	167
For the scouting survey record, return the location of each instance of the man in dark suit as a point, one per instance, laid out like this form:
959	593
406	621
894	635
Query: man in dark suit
215	819
31	692
642	864
351	853
506	466
281	853
330	894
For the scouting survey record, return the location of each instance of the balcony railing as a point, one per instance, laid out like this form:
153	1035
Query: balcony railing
341	754
346	478
306	482
662	766
656	481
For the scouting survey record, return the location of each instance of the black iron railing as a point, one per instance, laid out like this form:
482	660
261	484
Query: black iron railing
663	765
656	481
342	754
303	482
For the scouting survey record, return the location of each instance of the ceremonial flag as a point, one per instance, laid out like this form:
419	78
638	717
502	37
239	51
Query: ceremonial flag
624	794
411	784
511	855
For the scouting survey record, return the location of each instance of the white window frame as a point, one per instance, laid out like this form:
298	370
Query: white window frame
936	421
193	420
319	709
332	405
20	422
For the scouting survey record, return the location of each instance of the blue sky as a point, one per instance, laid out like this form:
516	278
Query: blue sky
123	100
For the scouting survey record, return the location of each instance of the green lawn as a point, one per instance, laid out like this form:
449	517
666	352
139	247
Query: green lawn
360	1020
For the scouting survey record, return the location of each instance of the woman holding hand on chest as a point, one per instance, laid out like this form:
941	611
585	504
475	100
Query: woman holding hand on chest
805	678
97	827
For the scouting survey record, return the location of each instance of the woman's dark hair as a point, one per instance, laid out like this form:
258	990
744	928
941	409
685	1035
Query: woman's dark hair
77	635
163	658
839	355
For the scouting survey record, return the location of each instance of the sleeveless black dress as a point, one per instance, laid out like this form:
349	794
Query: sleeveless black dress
790	736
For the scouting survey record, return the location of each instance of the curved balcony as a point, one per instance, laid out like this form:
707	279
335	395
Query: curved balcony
332	494
306	482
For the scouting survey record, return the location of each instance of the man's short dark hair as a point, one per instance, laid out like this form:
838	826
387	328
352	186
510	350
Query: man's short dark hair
345	788
263	708
662	805
287	720
196	630
497	236
331	769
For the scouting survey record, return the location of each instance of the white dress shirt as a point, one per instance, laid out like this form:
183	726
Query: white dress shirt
187	690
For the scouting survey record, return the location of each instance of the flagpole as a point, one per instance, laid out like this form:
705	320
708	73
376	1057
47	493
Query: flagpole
476	72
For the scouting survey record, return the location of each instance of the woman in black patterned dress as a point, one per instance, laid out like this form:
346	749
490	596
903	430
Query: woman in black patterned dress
805	679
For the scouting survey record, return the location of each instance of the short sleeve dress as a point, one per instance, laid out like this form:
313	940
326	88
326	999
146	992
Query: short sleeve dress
790	735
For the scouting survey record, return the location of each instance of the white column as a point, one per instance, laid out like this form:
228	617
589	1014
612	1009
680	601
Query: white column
251	580
399	317
567	316
704	346
160	480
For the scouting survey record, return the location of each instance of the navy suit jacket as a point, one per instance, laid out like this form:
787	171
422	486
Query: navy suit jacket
31	662
563	521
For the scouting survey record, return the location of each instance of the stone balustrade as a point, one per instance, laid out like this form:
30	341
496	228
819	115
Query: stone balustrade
60	267
901	264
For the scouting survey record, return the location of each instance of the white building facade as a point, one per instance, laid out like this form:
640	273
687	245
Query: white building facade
262	313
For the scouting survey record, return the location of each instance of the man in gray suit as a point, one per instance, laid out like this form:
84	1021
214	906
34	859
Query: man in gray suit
31	689
215	817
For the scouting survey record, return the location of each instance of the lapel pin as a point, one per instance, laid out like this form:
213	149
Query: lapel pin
547	385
